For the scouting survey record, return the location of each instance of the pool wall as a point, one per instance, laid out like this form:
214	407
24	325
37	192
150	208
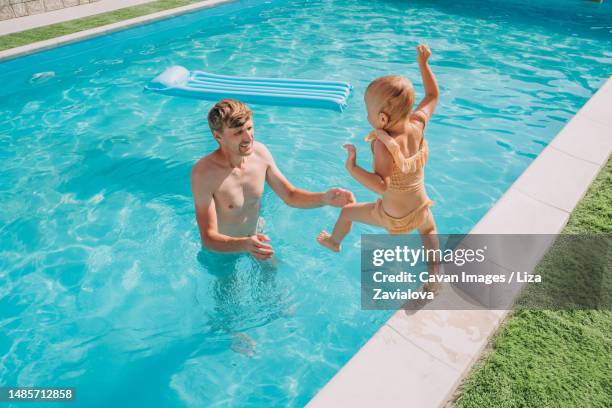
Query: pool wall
420	359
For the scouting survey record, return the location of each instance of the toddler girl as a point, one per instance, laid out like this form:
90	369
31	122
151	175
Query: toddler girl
400	153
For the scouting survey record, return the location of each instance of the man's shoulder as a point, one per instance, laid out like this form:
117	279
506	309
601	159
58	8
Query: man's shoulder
205	165
262	151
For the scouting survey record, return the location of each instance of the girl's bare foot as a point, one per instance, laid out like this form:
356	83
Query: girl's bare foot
435	269
326	240
432	287
243	344
412	306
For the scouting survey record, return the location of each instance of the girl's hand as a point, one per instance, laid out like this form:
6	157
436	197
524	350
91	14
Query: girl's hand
423	53
351	160
338	197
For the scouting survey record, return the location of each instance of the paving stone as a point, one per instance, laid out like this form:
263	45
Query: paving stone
557	178
51	5
388	372
585	139
6	12
35	7
20	10
454	337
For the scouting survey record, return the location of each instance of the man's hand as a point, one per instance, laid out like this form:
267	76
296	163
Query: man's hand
338	197
351	160
257	247
423	53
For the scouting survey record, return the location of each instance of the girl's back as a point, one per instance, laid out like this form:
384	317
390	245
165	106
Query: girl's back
408	153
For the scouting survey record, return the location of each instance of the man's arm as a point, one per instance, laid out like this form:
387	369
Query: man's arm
206	217
296	197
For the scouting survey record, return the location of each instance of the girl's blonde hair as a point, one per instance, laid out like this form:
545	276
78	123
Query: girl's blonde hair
394	96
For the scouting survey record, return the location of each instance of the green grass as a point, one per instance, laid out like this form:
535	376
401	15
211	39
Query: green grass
552	358
73	26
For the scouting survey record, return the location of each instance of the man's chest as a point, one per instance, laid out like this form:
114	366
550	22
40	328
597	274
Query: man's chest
241	188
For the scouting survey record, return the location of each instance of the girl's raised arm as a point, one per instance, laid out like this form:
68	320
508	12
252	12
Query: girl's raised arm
426	108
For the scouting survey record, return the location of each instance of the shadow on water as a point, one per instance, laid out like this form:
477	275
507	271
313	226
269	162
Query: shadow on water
152	177
149	177
581	18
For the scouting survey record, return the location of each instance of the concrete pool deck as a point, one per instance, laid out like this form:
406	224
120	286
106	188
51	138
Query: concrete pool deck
419	359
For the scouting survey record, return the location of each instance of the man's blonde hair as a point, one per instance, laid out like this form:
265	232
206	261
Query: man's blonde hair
394	96
228	113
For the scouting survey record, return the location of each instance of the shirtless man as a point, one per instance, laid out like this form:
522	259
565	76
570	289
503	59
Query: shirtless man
228	184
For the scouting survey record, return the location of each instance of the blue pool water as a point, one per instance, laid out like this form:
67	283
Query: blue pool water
102	283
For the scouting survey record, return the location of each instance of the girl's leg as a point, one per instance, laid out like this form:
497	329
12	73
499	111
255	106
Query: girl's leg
358	212
431	242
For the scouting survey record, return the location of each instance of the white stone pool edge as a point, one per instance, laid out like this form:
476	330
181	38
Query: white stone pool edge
419	360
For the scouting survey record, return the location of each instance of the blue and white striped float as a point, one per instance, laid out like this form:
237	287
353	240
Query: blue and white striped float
179	81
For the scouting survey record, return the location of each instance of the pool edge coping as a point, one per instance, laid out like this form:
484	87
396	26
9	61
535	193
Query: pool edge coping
421	359
27	49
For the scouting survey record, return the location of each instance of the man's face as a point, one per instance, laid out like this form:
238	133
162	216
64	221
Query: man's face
238	141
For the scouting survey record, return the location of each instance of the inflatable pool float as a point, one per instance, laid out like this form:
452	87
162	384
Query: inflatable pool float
179	81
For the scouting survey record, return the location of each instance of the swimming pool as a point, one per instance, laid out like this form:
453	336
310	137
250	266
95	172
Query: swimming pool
103	287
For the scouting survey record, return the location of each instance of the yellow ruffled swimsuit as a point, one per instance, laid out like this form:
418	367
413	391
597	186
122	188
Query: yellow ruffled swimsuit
407	176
